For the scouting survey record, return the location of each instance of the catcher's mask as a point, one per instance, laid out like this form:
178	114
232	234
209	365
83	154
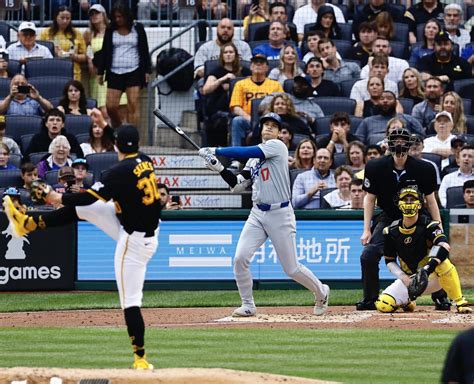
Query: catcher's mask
399	141
410	208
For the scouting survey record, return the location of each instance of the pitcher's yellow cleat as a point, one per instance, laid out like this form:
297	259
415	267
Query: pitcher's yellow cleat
22	224
463	306
141	363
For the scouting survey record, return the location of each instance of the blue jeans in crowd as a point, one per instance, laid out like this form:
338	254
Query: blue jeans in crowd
240	128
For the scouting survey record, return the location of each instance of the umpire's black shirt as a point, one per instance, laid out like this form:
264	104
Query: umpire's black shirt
382	180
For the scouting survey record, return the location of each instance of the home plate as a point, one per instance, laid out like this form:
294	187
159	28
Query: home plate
350	317
456	318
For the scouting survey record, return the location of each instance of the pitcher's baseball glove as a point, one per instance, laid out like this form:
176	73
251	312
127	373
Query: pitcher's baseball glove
39	191
418	284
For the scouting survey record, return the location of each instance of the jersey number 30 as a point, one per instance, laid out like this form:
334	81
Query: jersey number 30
148	185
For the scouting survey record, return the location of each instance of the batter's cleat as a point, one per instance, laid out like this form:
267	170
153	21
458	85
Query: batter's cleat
141	363
462	306
245	310
321	306
442	304
18	220
409	307
366	305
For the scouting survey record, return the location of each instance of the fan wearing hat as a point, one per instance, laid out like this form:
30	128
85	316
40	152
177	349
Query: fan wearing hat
26	47
125	204
66	181
256	86
441	143
80	168
443	63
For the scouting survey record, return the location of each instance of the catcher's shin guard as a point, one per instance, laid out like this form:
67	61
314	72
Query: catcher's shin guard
449	280
386	303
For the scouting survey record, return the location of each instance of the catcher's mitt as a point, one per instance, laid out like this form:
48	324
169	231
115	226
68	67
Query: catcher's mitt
418	284
39	191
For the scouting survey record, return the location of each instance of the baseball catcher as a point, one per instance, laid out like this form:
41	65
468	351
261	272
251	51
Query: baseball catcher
422	250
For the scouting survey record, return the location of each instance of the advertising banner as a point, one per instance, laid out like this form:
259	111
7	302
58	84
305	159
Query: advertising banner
204	250
42	260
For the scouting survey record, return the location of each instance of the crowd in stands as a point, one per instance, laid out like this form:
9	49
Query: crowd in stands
342	85
340	82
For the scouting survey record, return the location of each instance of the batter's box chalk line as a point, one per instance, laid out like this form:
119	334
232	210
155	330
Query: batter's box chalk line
350	317
456	318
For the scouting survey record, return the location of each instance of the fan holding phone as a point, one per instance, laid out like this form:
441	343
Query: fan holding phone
24	99
258	13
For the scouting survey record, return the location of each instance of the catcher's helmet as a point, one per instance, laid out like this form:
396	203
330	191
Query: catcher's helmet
410	208
271	116
403	145
12	192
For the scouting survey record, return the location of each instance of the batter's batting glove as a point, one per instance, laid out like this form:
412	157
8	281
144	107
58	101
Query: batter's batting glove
206	151
39	191
418	284
213	164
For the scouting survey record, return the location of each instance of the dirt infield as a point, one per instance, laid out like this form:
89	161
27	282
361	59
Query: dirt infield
267	317
424	317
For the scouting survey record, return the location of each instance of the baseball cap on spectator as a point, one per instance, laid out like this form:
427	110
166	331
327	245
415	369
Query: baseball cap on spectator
98	8
459	139
441	36
306	79
3	54
27	25
80	161
444	113
127	138
416	139
259	58
65	173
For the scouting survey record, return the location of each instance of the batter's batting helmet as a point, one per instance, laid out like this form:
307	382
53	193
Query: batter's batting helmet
271	116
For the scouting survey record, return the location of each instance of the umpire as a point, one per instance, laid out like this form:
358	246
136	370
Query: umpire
383	179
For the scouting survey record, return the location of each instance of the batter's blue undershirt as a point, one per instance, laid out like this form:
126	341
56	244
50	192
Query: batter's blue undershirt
241	152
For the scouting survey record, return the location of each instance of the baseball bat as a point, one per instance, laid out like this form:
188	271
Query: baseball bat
159	113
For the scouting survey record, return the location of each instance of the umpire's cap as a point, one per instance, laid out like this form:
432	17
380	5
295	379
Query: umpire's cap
271	116
127	138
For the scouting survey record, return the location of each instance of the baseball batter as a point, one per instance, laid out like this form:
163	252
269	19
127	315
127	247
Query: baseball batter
272	215
422	249
131	219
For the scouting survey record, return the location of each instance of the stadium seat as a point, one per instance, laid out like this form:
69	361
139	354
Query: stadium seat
48	44
346	86
339	159
14	68
401	32
323	203
99	162
25	141
469	11
467	93
82	138
19	125
5	31
49	67
454	196
330	105
407	105
323	124
254	112
11	178
470	126
288	86
211	65
51	177
36	157
253	27
76	124
400	49
4	87
297	137
434	157
344	47
14	159
49	86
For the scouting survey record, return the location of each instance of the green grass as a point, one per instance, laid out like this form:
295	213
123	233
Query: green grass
43	301
351	356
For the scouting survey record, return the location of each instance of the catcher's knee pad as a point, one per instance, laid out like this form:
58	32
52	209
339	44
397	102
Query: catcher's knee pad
449	279
386	303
